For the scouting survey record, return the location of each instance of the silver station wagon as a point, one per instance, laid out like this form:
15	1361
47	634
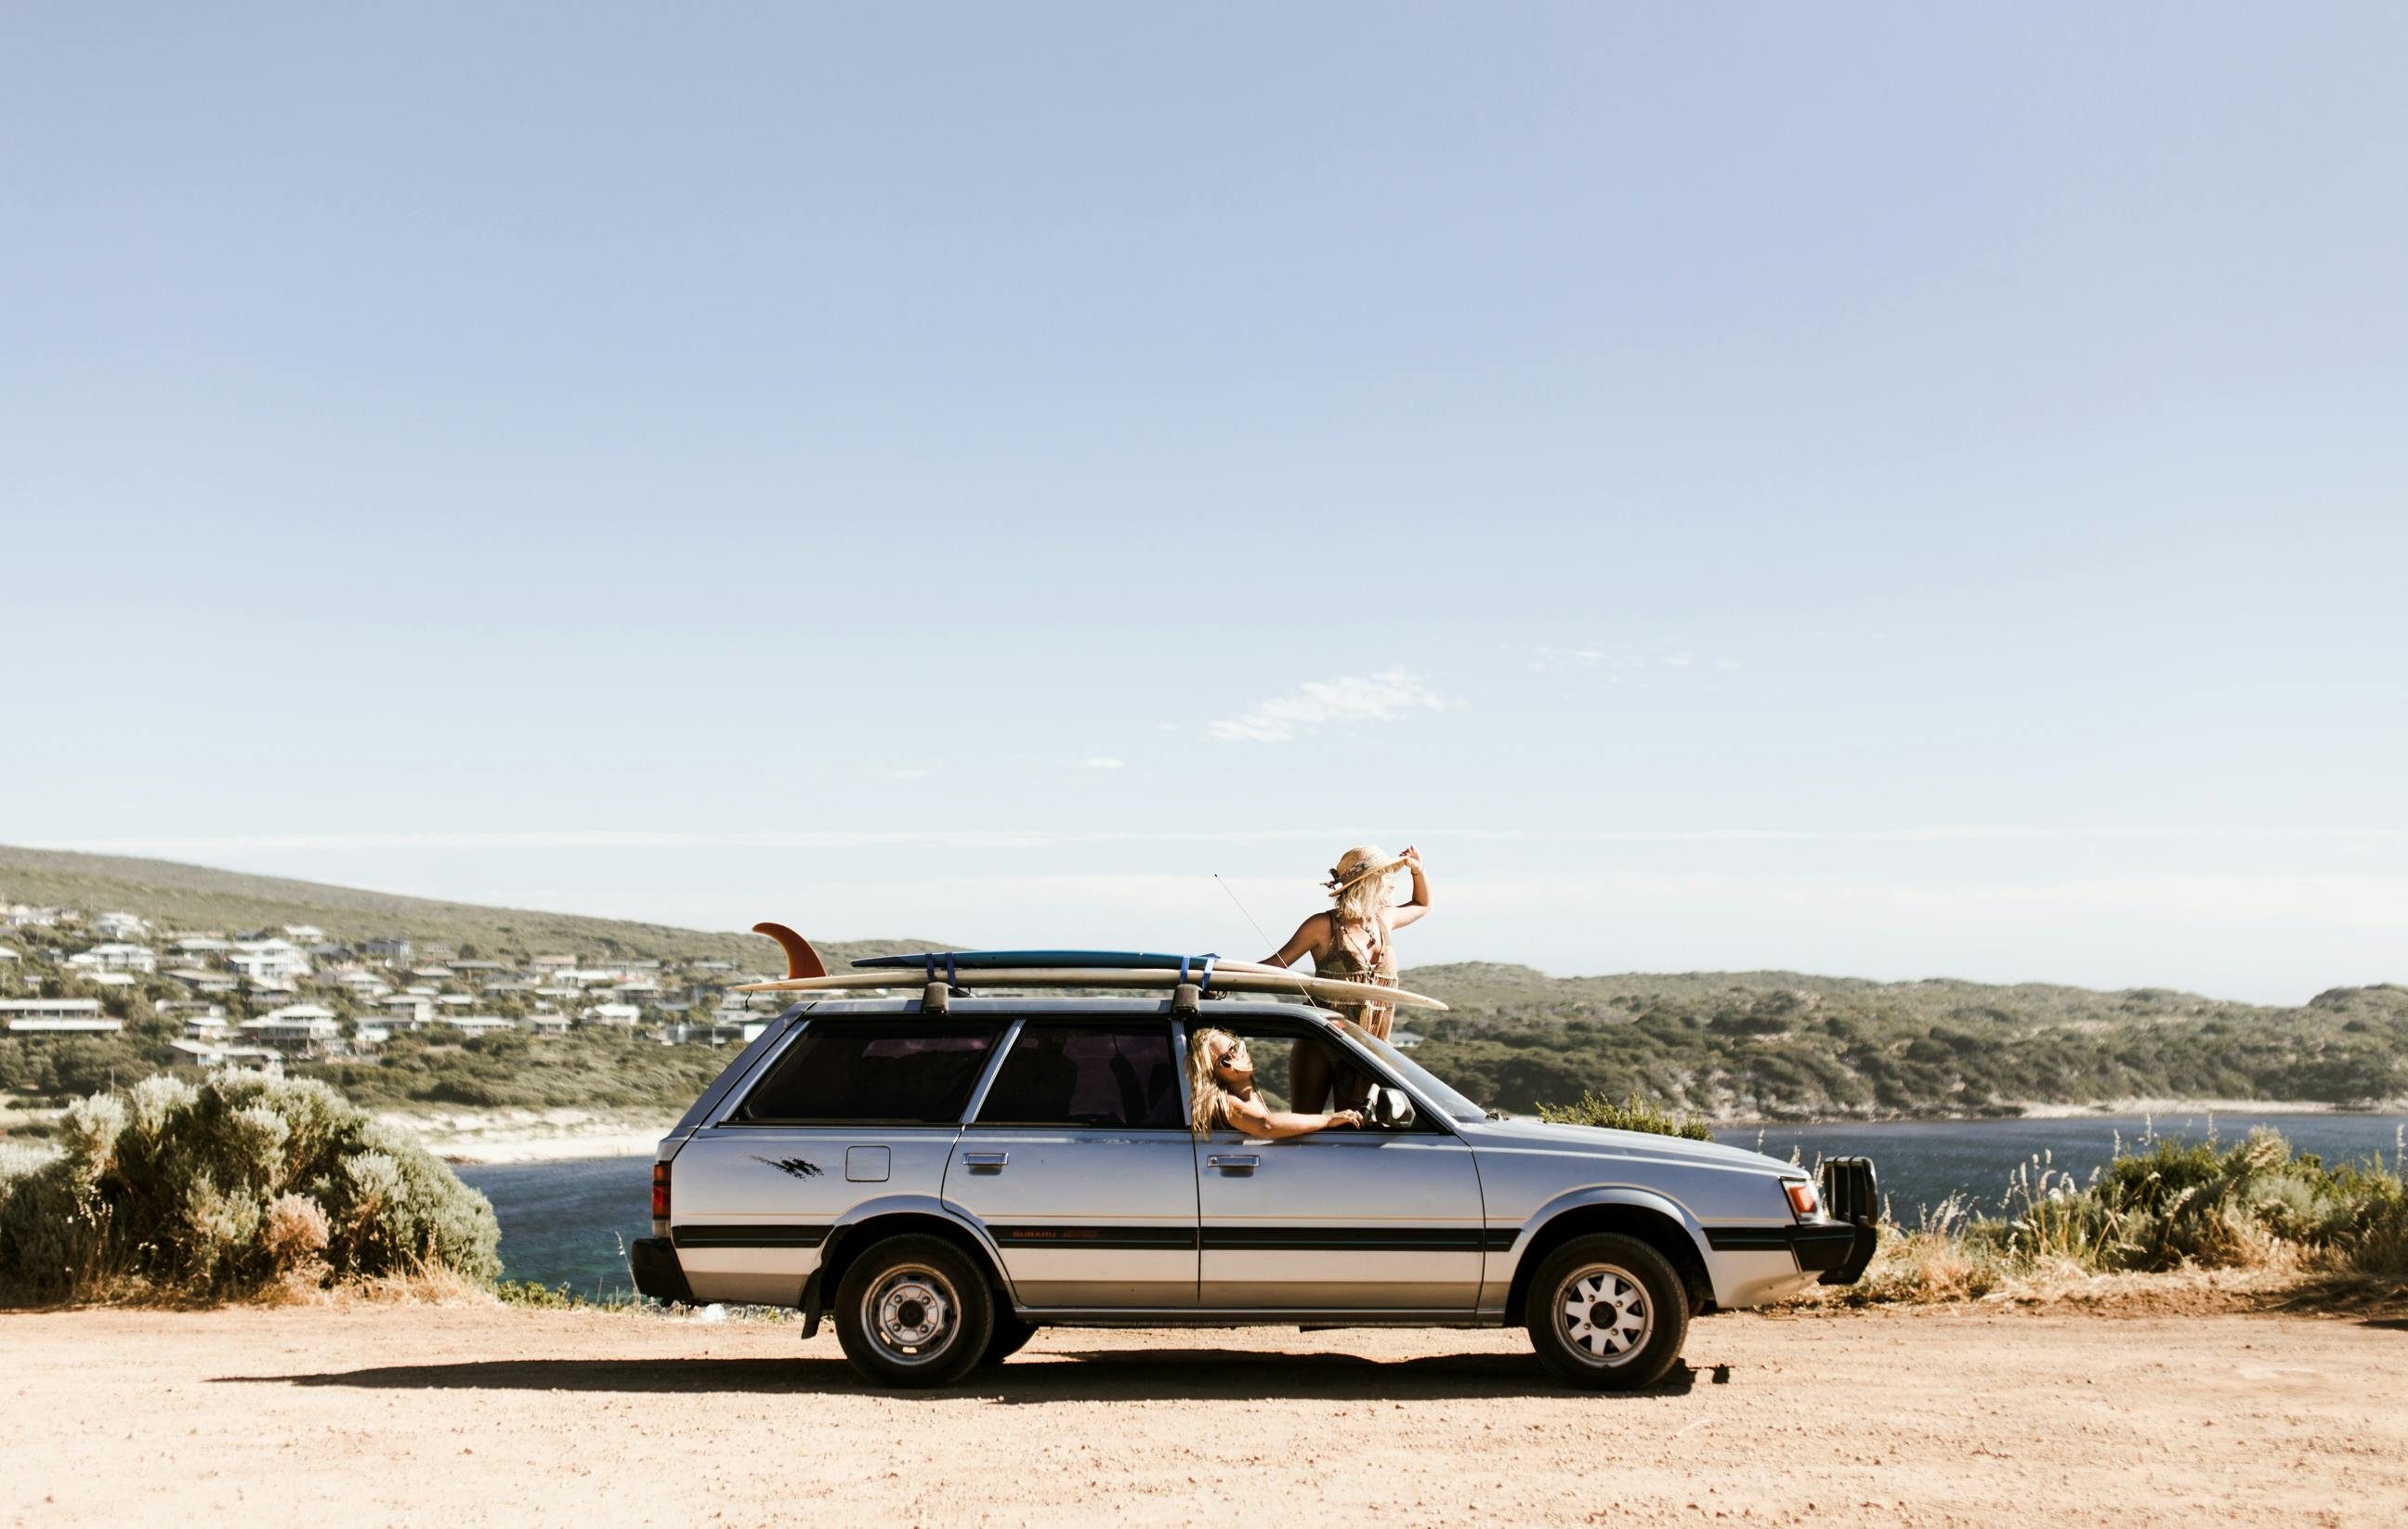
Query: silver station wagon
939	1175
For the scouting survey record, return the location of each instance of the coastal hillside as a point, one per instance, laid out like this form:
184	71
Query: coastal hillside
177	896
1786	1046
407	1001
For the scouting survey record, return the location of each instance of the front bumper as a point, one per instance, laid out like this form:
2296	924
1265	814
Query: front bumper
654	1261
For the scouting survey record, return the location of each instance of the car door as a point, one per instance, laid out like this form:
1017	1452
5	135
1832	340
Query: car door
1338	1221
853	1109
1080	1165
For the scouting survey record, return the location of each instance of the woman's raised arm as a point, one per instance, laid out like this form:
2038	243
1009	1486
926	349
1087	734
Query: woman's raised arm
1405	913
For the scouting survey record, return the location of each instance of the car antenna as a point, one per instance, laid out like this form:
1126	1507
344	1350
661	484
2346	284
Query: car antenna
1301	992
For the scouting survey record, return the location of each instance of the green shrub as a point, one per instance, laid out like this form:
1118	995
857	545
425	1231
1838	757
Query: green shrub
227	1189
1630	1115
2167	1206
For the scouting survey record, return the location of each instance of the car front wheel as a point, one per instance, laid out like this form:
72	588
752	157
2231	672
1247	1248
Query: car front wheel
1012	1334
1608	1312
914	1311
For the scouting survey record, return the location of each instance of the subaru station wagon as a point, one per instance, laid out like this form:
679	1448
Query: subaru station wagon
942	1174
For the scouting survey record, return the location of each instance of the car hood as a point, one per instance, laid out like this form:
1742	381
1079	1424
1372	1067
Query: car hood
1597	1140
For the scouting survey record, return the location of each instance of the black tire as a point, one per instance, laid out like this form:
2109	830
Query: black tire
913	1310
1646	1313
1011	1336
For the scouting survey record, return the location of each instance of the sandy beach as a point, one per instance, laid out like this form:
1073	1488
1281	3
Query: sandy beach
532	1136
478	1415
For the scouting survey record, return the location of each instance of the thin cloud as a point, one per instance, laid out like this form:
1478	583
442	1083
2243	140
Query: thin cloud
1099	763
1389	697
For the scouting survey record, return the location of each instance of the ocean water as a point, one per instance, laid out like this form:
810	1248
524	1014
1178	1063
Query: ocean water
570	1223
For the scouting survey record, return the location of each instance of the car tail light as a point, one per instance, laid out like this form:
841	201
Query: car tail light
1801	1197
660	1199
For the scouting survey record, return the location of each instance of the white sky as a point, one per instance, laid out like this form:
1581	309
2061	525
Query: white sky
1921	496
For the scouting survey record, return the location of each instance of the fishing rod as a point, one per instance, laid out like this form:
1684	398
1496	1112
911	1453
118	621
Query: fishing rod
1301	990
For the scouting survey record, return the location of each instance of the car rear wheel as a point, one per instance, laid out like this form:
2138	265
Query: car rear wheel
1607	1312
915	1311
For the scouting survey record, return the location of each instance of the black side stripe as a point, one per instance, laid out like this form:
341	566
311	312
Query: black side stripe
1748	1239
782	1235
1093	1236
1396	1239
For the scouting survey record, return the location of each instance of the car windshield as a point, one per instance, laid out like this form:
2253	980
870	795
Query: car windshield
1427	1083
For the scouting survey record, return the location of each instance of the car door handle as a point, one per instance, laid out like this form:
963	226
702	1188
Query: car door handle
1235	1161
989	1161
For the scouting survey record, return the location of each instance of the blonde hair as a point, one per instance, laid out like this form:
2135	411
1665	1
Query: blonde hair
1358	883
1208	1101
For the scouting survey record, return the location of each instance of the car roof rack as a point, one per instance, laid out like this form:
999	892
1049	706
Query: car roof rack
941	973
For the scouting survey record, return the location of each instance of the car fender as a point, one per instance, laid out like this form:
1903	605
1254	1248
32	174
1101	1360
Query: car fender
1501	1276
930	1206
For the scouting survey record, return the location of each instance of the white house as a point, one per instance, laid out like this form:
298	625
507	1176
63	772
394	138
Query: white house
710	1034
479	1024
202	1053
304	933
269	960
407	1010
612	1014
545	1023
119	926
294	1027
209	945
116	957
57	1017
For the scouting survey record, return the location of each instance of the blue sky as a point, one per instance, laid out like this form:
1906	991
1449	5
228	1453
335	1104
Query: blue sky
1897	493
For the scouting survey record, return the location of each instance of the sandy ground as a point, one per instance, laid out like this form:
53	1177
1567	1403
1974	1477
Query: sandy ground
400	1415
532	1136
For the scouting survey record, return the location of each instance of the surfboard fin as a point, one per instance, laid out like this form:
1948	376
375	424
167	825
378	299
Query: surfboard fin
801	960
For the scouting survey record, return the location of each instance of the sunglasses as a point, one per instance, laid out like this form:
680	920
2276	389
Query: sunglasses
1229	1058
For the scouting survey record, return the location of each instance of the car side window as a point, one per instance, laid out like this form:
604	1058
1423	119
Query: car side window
1274	1046
874	1072
1091	1075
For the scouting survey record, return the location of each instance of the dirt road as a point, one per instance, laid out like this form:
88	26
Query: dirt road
422	1416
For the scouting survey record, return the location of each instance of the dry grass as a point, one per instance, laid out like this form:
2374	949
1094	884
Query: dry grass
2163	1226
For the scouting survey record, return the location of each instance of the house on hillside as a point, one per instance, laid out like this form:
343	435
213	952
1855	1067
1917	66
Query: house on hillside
545	1022
303	934
269	961
42	1017
619	1014
386	949
119	927
202	1053
406	1010
473	1025
213	1026
296	1027
116	957
199	945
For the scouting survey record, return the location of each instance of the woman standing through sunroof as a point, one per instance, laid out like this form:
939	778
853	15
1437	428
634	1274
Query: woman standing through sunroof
1352	941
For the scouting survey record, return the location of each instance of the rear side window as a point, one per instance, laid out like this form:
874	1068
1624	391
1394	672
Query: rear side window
1101	1074
874	1073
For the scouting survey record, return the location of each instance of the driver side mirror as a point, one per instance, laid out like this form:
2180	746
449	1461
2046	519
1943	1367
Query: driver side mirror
1388	1108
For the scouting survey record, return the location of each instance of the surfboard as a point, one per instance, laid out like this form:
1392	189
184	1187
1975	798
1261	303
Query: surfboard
999	960
1271	980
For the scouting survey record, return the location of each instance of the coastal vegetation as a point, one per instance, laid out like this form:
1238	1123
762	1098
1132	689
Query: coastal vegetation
2254	1207
1775	1046
1784	1045
235	1187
